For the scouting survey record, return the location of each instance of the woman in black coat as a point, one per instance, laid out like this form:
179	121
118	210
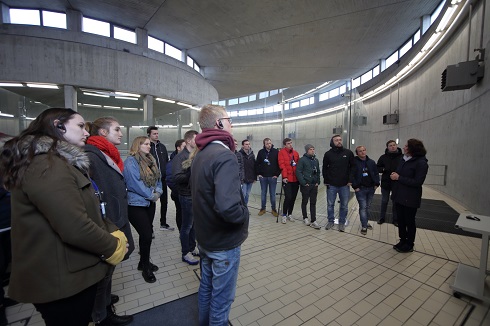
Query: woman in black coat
407	191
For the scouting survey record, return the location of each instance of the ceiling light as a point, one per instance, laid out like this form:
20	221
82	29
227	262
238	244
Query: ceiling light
51	86
92	105
445	19
95	94
126	94
6	115
11	85
164	100
431	41
126	98
184	104
130	109
111	107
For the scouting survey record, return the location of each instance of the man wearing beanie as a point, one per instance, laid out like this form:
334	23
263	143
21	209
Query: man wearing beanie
337	166
220	214
308	174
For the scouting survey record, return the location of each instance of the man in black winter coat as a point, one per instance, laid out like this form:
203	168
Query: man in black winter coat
387	163
267	168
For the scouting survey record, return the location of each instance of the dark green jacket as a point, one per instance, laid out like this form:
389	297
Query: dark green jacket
308	170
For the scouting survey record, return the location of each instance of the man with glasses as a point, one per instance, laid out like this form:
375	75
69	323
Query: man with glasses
221	216
268	171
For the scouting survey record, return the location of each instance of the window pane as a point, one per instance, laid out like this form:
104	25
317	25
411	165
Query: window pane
436	12
274	92
190	62
233	113
252	112
263	94
173	52
305	102
196	67
343	89
260	111
214	102
334	92
124	35
416	36
242	113
366	77
96	27
233	101
277	108
155	44
24	16
404	49
222	103
295	105
54	19
392	59
243	99
376	71
252	97
356	82
323	96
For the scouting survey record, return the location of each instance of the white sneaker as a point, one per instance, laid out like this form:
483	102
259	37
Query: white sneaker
283	220
195	252
290	218
315	225
306	221
189	259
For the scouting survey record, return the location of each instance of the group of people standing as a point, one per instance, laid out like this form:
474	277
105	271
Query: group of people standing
402	176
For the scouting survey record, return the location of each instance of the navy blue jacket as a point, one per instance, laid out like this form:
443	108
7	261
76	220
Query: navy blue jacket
357	171
407	190
387	163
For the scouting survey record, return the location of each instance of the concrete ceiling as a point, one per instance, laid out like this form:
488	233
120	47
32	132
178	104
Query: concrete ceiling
248	46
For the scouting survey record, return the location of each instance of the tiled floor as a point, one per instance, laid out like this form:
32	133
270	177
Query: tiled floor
294	275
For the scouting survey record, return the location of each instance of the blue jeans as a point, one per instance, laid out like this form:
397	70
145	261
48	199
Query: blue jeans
385	198
219	273
332	192
246	189
271	183
364	197
187	235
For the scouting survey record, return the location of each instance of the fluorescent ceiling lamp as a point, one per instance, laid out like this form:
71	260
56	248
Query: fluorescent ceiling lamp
431	41
184	104
126	94
126	98
11	85
111	107
164	100
6	115
445	19
130	109
52	86
92	105
27	118
139	126
95	94
417	58
195	108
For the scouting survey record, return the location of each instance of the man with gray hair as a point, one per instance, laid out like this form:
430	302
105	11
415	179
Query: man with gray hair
220	214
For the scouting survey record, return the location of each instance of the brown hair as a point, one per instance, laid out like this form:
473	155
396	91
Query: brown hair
416	147
286	140
135	146
390	141
98	124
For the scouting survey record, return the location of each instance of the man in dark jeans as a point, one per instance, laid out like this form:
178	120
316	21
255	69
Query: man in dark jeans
308	174
387	163
159	152
179	146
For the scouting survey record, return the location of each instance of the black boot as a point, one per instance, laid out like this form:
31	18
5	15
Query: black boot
153	267
3	316
148	274
114	320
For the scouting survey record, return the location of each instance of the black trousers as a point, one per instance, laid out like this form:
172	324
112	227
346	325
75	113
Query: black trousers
74	311
141	218
164	204
5	258
406	223
290	193
178	208
309	193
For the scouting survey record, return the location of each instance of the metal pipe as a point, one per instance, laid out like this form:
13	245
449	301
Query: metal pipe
469	32
482	24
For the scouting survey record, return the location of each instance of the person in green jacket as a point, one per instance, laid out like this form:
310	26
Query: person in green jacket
308	174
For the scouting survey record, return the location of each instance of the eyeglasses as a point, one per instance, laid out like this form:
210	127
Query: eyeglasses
229	120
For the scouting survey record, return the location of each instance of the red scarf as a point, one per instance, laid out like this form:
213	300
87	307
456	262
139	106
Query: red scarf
107	148
208	135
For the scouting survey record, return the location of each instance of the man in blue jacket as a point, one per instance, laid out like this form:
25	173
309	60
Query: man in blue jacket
220	215
365	180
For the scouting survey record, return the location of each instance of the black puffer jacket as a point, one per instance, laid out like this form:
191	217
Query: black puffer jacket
387	163
263	168
337	166
248	166
407	190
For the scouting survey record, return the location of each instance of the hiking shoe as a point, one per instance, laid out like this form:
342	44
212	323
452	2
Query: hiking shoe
369	227
329	225
404	248
363	231
381	221
315	225
306	221
195	252
283	220
274	213
261	212
166	227
290	218
341	227
189	259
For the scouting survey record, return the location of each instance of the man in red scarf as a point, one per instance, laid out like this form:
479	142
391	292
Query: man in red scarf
220	214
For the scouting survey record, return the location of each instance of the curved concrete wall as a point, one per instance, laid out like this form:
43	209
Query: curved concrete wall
41	54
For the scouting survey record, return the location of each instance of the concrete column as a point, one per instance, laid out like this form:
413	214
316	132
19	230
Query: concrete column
424	24
4	14
184	56
70	97
382	65
74	20
194	119
142	38
148	109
